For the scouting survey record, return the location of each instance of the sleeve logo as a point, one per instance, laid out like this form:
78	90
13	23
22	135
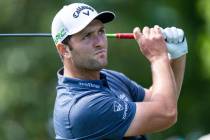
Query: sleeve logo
117	106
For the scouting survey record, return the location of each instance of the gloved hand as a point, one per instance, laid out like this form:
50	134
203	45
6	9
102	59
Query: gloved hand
176	42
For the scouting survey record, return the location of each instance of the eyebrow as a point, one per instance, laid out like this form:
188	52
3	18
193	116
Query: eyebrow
91	31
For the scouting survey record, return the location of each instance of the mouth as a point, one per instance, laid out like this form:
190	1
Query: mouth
101	51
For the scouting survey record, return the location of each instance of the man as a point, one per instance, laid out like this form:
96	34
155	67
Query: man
94	103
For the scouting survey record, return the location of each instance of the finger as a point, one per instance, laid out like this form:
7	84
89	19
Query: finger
169	35
180	35
175	35
152	32
163	33
137	33
156	26
157	29
146	31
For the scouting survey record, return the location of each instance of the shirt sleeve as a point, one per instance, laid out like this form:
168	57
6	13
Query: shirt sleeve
101	116
137	91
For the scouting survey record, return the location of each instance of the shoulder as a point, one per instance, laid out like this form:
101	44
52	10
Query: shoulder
118	78
136	91
114	74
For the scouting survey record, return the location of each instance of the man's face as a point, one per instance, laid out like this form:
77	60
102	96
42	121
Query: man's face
89	47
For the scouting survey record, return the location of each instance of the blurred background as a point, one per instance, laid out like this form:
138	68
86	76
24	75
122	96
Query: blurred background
28	66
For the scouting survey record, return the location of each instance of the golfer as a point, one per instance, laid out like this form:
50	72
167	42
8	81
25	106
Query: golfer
94	103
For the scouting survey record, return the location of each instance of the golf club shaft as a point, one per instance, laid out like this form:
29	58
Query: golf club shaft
109	35
25	35
121	35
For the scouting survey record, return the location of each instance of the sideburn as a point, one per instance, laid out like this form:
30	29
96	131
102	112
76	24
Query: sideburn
70	47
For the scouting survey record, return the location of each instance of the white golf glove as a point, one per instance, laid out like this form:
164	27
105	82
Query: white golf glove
175	41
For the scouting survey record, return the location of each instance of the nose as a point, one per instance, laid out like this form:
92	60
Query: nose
99	40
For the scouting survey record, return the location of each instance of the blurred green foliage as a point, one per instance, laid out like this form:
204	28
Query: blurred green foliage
28	65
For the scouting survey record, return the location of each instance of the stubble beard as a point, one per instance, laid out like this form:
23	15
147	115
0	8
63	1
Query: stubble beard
93	64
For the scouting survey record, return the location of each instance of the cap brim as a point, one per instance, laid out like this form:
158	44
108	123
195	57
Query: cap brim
105	16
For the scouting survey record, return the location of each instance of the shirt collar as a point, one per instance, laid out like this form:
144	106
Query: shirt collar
82	83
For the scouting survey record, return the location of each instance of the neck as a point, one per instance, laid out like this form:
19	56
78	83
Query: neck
84	74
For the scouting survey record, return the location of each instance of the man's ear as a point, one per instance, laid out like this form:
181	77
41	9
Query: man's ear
63	50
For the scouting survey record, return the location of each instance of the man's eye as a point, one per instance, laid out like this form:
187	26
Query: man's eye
102	31
87	36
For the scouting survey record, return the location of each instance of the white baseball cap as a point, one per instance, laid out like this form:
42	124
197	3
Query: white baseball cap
75	17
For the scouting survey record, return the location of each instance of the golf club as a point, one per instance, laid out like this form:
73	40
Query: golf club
109	35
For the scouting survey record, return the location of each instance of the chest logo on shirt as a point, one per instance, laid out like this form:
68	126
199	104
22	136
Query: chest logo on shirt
117	106
123	97
90	85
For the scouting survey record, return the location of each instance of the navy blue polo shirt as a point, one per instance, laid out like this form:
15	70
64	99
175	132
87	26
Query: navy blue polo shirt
95	109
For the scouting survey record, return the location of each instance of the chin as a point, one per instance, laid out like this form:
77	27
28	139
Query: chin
99	67
95	64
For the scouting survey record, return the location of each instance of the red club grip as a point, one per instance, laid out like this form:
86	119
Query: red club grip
125	35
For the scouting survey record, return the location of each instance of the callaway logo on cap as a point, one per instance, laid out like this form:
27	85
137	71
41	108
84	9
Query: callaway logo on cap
73	18
82	8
